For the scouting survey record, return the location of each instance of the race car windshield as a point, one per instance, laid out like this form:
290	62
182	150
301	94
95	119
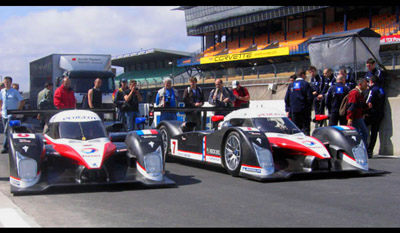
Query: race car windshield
82	130
276	125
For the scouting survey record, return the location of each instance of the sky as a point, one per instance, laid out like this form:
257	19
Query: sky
30	33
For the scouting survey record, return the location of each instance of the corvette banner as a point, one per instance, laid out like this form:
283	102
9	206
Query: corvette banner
245	56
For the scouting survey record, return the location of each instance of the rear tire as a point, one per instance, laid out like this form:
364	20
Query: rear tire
232	157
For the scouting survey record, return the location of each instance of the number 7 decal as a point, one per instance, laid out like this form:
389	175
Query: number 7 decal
174	146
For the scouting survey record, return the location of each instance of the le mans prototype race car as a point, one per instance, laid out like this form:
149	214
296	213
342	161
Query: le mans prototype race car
76	150
264	144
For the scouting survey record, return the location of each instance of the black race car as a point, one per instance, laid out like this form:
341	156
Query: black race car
77	150
264	144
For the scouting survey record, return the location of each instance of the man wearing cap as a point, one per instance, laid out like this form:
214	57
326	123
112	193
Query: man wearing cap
242	95
119	101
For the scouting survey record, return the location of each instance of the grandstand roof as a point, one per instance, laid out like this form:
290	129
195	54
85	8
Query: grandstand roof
147	55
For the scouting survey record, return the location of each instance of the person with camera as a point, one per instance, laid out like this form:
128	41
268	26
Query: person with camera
221	97
119	100
132	98
167	97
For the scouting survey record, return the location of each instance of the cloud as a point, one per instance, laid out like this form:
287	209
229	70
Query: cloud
99	30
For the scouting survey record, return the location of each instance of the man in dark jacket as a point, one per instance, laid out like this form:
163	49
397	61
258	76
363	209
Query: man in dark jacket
193	97
221	97
372	70
374	114
317	83
119	101
298	100
334	98
132	98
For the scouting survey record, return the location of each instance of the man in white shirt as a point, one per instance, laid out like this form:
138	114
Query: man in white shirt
10	99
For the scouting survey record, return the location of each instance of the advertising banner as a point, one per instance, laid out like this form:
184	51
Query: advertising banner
245	56
390	39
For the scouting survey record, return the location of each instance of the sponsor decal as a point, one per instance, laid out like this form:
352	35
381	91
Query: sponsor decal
23	135
146	131
308	143
80	117
89	150
296	86
151	143
271	114
25	148
251	169
343	127
214	151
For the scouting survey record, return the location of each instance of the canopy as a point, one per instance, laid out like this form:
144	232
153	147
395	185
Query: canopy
347	49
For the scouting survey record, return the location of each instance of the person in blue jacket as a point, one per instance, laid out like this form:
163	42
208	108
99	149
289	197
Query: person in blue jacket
375	112
317	83
373	71
334	98
350	79
298	101
167	97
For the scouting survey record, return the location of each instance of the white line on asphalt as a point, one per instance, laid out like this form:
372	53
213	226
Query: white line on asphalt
10	218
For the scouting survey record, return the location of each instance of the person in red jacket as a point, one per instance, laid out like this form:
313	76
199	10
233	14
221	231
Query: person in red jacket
64	95
242	95
355	109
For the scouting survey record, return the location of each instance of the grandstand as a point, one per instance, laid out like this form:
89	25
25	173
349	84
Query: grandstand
149	67
230	30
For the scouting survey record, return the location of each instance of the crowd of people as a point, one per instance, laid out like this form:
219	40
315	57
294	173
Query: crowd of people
364	107
357	103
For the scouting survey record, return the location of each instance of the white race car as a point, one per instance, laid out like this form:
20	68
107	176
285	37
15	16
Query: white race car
77	150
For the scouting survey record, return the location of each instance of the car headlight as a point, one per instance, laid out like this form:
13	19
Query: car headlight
360	155
265	159
27	167
153	163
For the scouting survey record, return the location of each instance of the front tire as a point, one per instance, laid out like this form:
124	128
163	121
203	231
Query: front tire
232	159
165	140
